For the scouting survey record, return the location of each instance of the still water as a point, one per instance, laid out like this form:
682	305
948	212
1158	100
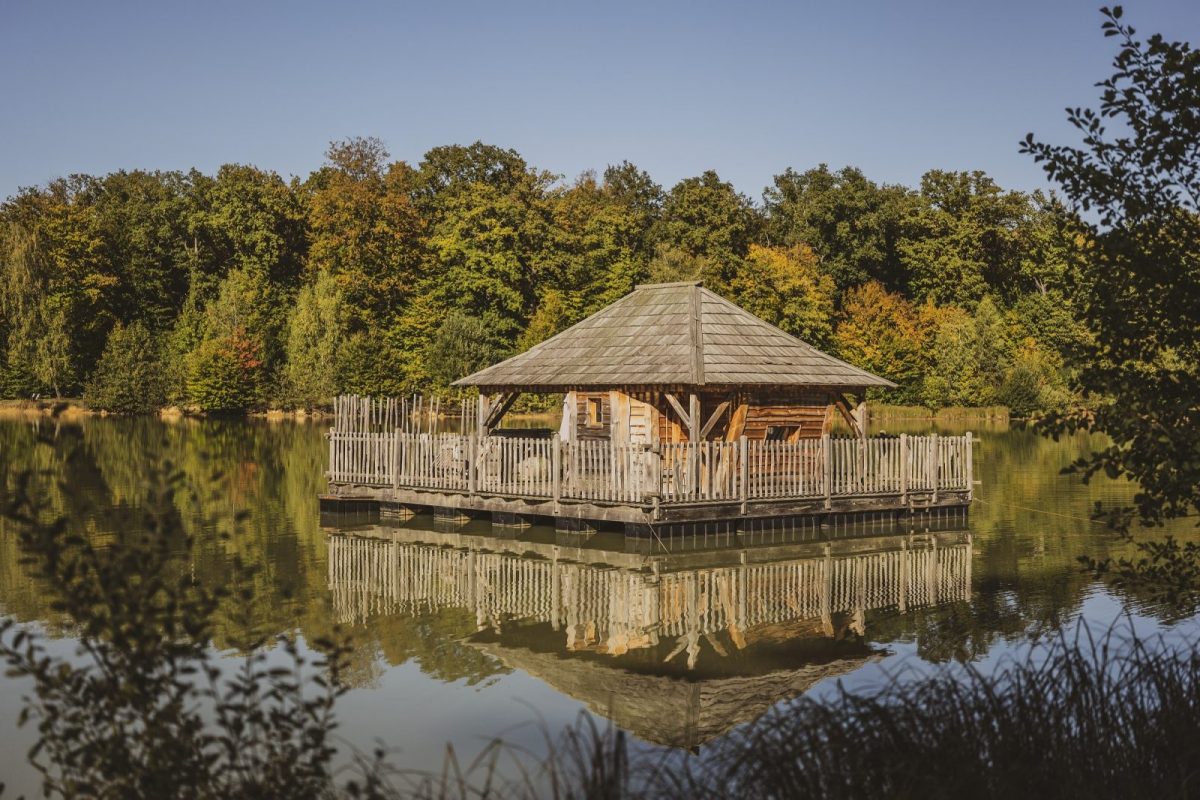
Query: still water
462	635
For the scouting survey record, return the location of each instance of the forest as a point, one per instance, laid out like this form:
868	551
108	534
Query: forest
244	290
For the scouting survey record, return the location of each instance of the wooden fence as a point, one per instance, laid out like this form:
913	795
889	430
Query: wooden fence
700	472
410	415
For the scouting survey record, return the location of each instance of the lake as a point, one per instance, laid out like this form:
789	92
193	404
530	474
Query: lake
462	634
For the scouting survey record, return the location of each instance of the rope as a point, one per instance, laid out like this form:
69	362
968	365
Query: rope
1055	513
1041	511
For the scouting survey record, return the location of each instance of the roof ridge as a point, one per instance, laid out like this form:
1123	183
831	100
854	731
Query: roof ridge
696	330
667	285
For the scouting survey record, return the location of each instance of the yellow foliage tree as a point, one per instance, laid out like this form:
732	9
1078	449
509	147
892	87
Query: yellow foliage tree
786	288
882	332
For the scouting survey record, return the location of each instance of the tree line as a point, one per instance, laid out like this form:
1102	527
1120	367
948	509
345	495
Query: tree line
242	289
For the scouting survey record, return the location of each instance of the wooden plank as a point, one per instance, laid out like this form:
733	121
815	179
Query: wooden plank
737	422
675	404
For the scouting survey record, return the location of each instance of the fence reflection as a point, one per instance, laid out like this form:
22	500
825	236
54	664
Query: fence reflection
642	602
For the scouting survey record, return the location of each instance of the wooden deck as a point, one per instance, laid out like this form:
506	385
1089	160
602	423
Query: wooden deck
650	485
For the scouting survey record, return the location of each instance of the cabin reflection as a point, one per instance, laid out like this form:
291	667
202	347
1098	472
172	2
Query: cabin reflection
675	647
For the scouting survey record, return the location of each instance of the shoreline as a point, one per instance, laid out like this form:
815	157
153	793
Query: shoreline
69	409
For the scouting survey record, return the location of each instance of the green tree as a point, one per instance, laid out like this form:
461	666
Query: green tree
230	368
462	345
489	221
365	229
553	315
1034	381
599	246
128	379
853	225
226	373
967	240
969	358
1134	186
316	331
672	264
706	219
143	222
56	293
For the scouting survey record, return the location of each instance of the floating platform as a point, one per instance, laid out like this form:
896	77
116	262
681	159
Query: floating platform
746	488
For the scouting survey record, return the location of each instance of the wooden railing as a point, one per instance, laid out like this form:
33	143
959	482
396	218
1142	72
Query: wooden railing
700	472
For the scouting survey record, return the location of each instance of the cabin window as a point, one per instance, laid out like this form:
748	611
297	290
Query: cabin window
780	433
594	418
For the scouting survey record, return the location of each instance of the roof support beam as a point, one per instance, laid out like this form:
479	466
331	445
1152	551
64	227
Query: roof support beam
712	420
855	412
860	414
675	404
846	415
492	410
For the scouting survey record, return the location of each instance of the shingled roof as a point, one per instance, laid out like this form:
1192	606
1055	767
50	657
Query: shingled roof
671	334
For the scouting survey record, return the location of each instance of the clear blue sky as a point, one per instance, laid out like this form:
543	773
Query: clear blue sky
748	89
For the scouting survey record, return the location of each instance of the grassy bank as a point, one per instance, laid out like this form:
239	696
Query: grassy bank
62	408
985	413
69	409
74	408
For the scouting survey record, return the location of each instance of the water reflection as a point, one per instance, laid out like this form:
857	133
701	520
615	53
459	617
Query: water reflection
433	654
676	648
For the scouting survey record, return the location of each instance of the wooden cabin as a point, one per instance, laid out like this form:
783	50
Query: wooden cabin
675	362
679	407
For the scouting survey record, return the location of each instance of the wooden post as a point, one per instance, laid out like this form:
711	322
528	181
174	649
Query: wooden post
904	468
472	463
970	468
396	458
933	464
657	451
694	483
693	417
556	469
481	415
744	469
827	471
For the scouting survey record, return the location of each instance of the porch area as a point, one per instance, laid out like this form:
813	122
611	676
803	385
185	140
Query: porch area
655	483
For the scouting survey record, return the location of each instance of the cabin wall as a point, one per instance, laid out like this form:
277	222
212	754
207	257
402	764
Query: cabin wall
593	415
647	417
804	416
